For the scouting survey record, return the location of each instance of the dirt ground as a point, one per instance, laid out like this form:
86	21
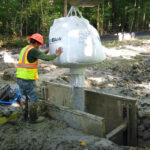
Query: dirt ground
125	72
48	135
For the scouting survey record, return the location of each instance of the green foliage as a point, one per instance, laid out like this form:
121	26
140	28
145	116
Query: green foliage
24	17
110	44
12	41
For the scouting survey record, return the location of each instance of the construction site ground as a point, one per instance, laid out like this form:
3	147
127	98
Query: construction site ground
125	72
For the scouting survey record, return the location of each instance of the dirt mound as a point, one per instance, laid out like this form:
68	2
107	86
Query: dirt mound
140	71
121	77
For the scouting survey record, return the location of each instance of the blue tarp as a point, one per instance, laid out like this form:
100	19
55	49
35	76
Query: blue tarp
16	92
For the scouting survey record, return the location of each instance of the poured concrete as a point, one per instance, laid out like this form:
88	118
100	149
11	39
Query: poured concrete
58	94
77	83
78	98
88	123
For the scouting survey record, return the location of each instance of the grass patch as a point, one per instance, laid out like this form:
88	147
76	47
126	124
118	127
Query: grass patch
117	43
13	42
110	44
126	62
143	38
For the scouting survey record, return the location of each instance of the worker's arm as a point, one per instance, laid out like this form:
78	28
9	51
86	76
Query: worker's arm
36	54
43	56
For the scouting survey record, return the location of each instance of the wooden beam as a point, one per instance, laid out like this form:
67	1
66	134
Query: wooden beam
88	123
6	119
117	130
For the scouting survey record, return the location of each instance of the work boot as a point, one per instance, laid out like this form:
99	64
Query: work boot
40	119
33	112
33	115
24	106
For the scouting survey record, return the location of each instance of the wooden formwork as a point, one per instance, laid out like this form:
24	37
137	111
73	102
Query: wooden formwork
119	113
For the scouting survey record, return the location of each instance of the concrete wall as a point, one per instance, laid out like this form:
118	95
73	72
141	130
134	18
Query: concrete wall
86	122
114	109
59	94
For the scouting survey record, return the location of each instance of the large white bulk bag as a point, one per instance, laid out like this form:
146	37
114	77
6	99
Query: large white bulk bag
80	41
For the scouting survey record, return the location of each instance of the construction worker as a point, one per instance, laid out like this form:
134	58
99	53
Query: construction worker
27	71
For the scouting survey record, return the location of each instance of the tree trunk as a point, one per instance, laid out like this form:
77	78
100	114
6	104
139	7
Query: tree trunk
135	23
113	15
21	22
14	25
26	25
144	18
65	8
98	18
42	18
102	18
123	18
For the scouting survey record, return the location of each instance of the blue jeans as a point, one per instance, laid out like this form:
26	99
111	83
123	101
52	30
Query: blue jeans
28	88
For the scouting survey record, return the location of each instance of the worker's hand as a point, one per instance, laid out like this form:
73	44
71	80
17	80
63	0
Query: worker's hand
46	51
59	51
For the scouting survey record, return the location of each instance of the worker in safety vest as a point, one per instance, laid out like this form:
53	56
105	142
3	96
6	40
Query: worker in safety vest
27	71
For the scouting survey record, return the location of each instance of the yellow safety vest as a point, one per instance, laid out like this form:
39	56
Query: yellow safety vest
25	69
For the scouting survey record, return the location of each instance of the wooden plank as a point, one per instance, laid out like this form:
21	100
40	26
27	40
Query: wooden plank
6	119
97	104
133	124
59	94
117	130
85	122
